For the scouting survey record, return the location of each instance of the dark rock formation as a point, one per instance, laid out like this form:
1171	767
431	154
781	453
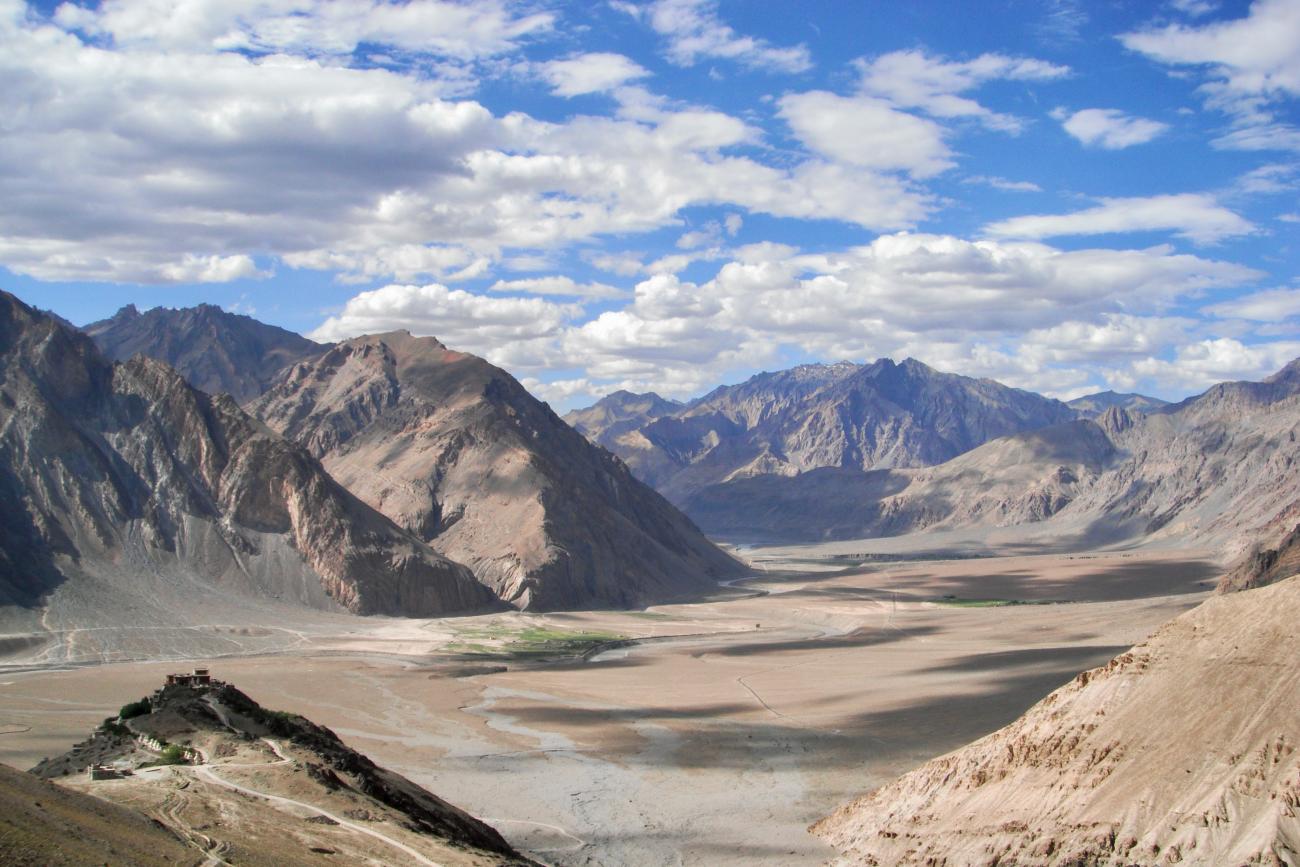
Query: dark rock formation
216	351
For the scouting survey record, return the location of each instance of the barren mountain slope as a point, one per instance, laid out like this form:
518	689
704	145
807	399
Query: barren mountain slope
1182	750
848	416
458	452
249	785
216	351
1013	480
129	494
43	825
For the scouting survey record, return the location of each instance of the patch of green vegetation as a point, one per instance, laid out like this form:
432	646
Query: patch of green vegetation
649	615
172	754
957	602
533	641
134	709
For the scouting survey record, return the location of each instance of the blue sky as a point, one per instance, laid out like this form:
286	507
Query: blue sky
670	194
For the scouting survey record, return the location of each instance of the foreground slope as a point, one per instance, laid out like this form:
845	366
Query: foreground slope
846	416
246	785
459	453
216	351
43	825
1182	750
129	494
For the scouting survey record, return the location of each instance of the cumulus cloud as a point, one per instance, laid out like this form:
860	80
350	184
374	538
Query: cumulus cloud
914	79
1195	216
313	27
1269	305
1027	313
696	32
1109	128
462	320
166	149
595	72
1203	363
868	132
558	285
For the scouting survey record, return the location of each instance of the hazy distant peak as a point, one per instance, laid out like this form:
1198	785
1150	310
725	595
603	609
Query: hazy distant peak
1093	405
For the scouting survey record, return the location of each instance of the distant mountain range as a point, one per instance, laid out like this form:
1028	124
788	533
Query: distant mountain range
216	351
847	416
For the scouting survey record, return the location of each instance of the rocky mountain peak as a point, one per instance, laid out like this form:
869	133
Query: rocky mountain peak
215	350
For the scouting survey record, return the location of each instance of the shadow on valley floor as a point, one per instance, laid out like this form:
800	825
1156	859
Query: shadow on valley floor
715	738
866	636
1137	579
1068	657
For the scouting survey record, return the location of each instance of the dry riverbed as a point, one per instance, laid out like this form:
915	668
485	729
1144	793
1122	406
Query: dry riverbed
707	733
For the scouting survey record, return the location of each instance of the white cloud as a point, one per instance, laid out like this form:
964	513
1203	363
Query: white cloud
1110	129
594	72
868	132
314	27
1251	64
1201	364
913	79
211	269
558	285
490	327
695	32
1195	216
1003	184
1194	8
1028	313
1269	305
163	148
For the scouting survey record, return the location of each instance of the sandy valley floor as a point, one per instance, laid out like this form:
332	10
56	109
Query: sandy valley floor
717	742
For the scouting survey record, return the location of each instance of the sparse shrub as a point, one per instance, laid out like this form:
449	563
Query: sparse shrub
172	754
134	709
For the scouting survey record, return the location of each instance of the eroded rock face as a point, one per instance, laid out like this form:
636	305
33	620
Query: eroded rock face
216	351
115	472
459	453
1182	750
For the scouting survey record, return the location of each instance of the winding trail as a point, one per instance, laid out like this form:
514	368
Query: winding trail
205	771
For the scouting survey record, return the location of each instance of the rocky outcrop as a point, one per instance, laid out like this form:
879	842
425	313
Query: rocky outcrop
125	487
1262	566
1182	750
216	351
846	416
459	453
210	721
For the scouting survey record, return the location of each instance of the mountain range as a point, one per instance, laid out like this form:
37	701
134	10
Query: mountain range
846	451
125	488
848	416
395	477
